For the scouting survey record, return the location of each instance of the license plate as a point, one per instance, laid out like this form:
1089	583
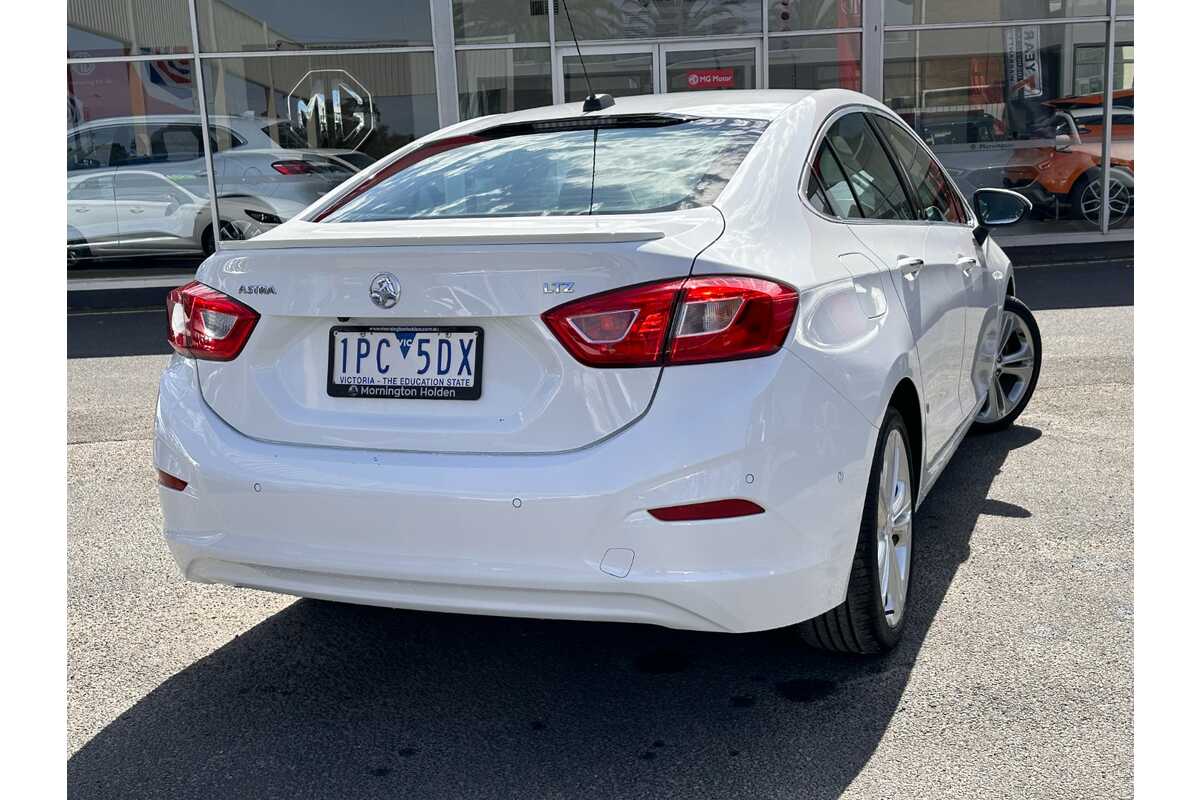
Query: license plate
407	362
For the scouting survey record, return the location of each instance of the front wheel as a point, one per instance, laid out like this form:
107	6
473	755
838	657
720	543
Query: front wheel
1015	373
871	618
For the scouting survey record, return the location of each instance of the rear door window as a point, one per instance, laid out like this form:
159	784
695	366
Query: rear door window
935	198
560	167
878	189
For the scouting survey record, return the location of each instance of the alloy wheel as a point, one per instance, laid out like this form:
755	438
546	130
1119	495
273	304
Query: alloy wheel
894	528
1120	200
1013	371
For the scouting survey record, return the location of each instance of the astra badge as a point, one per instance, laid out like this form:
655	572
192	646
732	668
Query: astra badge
385	290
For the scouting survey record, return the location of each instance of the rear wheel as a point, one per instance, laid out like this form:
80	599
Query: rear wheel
1018	365
1087	197
872	617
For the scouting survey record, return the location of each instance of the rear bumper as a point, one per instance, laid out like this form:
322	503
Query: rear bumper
554	536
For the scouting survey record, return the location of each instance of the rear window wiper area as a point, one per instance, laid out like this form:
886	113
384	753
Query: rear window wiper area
616	164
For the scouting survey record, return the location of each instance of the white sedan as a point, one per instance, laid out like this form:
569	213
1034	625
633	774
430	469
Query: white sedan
688	359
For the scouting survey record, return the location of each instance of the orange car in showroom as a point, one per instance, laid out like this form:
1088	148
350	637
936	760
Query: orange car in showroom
1067	179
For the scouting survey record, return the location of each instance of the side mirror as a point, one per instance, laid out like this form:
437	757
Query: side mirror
996	207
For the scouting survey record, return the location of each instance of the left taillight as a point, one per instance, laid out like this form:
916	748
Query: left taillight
204	323
679	321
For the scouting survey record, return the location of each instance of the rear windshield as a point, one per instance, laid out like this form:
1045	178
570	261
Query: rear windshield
663	165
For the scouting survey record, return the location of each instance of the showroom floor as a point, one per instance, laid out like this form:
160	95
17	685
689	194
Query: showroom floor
1016	678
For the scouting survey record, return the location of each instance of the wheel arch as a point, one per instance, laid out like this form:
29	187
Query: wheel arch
906	400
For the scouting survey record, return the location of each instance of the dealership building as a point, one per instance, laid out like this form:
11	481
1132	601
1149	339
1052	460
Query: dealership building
182	112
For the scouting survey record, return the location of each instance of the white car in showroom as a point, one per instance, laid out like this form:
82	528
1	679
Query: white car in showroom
139	212
686	359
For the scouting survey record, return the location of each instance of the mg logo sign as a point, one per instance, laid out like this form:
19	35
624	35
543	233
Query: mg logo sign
333	105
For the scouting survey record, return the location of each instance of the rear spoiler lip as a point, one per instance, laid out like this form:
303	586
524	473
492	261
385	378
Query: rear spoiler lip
549	237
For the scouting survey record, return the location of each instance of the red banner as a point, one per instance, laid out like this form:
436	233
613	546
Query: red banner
710	78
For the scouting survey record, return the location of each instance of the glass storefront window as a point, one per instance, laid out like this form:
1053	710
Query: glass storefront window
1120	185
234	26
920	12
801	15
300	125
497	81
137	186
618	74
816	62
99	28
1125	7
696	70
637	19
1005	107
496	21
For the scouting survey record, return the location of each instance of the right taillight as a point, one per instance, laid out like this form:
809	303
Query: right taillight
204	323
294	166
679	321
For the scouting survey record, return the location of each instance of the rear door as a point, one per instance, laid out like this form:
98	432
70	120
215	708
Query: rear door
885	221
152	215
952	244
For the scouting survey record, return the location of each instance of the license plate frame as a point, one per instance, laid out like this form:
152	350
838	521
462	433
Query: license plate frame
357	391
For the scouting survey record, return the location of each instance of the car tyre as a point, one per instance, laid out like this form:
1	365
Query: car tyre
1087	197
872	617
80	254
1017	368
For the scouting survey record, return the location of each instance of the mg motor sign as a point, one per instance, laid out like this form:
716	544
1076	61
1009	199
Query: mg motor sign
333	107
710	78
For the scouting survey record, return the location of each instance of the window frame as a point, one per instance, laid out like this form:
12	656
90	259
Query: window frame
869	111
913	195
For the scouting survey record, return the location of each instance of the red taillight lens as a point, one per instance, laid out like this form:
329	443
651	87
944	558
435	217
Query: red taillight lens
294	167
680	321
713	509
622	328
731	317
204	323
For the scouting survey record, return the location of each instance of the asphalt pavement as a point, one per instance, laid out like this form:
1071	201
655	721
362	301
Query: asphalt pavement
1015	679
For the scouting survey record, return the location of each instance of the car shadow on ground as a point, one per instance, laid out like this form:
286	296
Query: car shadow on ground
329	700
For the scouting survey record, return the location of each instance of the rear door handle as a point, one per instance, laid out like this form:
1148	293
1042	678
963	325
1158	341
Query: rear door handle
966	264
910	266
137	210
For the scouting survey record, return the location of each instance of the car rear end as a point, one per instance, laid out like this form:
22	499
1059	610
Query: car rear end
484	379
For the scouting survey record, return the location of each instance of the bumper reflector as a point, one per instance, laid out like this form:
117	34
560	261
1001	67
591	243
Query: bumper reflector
713	509
170	481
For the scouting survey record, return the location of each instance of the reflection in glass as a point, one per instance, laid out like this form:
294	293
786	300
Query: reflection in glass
637	19
232	26
698	70
495	21
1120	185
125	119
307	123
918	12
608	170
618	74
801	15
1010	107
498	81
816	62
97	28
